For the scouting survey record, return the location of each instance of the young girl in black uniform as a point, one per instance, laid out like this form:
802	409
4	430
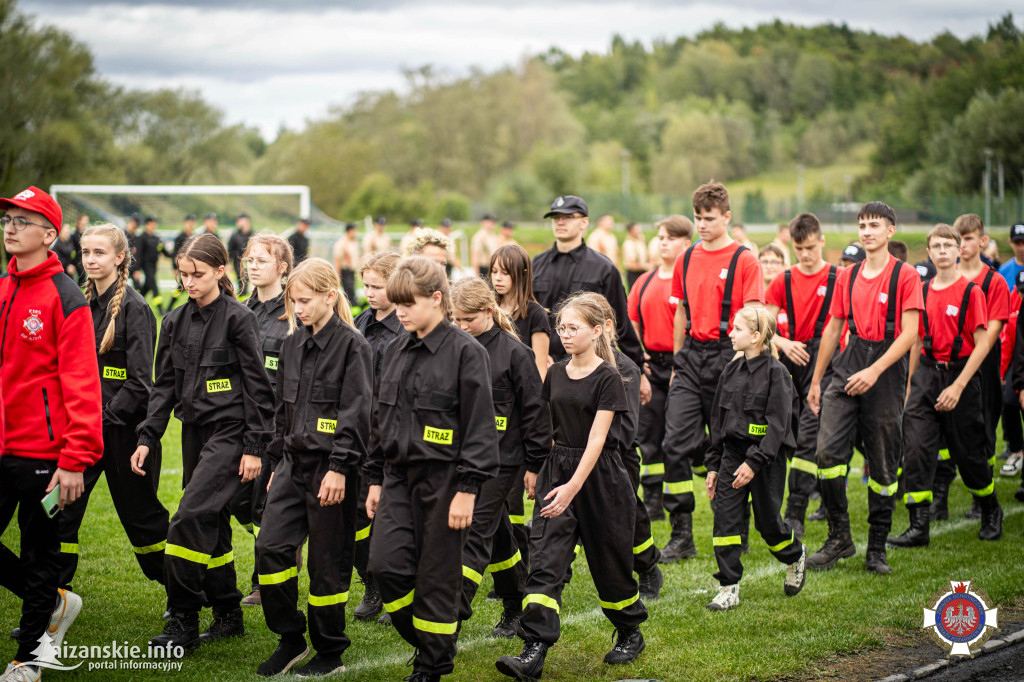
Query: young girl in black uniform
512	279
324	395
524	433
209	370
751	429
583	493
435	444
125	336
267	260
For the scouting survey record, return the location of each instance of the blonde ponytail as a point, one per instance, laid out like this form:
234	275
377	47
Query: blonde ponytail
472	295
119	244
763	324
321	278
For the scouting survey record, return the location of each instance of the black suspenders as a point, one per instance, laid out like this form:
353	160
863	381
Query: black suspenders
890	315
958	342
819	325
640	304
723	324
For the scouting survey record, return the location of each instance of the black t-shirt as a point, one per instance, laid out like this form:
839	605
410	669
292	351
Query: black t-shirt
574	403
536	320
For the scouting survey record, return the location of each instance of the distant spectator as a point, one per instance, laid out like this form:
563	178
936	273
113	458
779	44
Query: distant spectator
739	234
782	241
299	240
507	234
376	240
346	260
603	239
899	250
482	245
236	247
635	259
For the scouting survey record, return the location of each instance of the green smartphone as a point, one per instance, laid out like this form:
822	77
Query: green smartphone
51	503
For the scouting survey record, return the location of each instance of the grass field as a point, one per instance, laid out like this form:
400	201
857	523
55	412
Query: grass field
842	611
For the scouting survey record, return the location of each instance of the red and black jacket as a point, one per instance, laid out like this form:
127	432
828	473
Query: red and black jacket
51	383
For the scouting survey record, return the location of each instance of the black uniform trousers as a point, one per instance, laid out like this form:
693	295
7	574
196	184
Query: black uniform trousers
247	507
199	566
516	508
33	576
364	527
652	421
991	409
803	467
348	284
876	417
488	549
602	517
142	516
416	560
1013	432
698	365
962	431
765	492
293	512
150	285
645	553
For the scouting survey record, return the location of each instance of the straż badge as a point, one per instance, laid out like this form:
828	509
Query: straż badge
960	618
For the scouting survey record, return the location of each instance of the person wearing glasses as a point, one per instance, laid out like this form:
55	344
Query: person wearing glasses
571	266
772	263
266	261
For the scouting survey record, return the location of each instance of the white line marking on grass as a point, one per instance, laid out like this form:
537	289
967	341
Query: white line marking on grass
672	604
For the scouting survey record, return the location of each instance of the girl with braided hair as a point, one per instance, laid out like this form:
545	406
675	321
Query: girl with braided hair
125	335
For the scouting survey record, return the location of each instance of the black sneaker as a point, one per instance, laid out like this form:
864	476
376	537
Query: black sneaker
506	627
321	665
224	625
289	651
372	603
15	633
528	665
628	645
181	629
650	583
1019	495
974	512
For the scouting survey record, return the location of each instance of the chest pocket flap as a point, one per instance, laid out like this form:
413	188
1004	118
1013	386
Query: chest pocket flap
219	357
388	392
272	345
755	403
436	399
501	394
325	392
290	391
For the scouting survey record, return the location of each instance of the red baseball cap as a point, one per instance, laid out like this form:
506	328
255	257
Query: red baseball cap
35	199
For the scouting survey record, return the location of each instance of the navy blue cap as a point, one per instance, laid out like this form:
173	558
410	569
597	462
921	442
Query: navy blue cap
567	205
926	269
380	220
190	216
447	222
1017	232
854	253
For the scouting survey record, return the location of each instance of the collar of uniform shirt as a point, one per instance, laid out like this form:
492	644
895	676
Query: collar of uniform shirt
434	339
103	299
485	337
390	321
758	360
324	335
272	304
207	310
576	254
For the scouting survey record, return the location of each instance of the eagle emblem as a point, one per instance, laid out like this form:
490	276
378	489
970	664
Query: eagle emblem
960	618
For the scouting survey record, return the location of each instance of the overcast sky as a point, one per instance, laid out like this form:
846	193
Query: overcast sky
271	63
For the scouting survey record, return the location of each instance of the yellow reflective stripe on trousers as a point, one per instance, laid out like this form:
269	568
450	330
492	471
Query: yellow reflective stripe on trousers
363	533
329	600
943	454
218	561
992	461
678	487
468	572
400	603
918	497
186	554
805	466
278	578
69	548
255	531
643	545
984	492
507	563
436	628
656	469
833	472
517	519
541	600
700	470
782	545
150	549
883	490
619	605
725	540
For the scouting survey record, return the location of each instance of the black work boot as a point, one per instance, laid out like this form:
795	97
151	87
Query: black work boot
818	514
974	512
940	500
181	629
653	498
650	583
796	512
875	561
991	517
528	665
680	544
290	650
838	545
224	625
510	615
372	603
918	533
629	643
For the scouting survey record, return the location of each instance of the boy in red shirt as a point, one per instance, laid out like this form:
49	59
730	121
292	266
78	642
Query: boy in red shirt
800	299
880	299
712	281
944	403
997	298
52	415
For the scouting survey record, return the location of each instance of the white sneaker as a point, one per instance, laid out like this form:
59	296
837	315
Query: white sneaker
19	672
728	596
796	573
1012	465
63	616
